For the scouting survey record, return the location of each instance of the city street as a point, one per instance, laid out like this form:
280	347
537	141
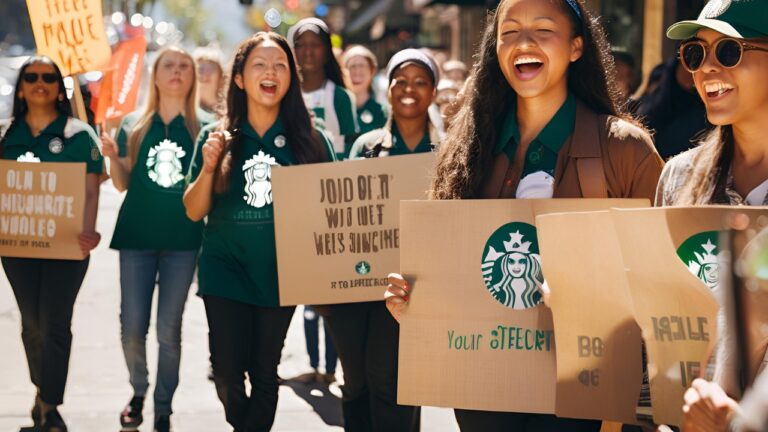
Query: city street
98	380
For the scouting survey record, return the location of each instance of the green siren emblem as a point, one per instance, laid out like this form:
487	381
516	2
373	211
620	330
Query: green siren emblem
512	266
700	254
363	268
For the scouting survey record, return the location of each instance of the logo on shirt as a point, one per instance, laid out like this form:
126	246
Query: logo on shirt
28	157
258	180
164	163
512	267
700	254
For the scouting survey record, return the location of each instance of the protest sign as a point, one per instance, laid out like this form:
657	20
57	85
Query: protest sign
120	85
41	209
337	226
475	334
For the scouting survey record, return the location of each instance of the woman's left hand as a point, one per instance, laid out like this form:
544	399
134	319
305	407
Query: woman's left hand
88	241
707	408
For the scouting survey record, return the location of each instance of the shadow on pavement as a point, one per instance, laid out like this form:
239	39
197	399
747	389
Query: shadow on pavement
319	396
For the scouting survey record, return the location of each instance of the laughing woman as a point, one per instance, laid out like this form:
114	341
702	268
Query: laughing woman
266	125
43	130
542	98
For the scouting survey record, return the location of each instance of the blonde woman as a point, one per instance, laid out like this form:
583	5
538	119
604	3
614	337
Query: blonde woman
156	240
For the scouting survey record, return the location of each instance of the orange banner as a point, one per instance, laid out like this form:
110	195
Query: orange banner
120	86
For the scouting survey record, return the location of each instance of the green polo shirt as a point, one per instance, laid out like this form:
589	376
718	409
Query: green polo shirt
66	139
372	115
238	260
543	151
367	142
152	216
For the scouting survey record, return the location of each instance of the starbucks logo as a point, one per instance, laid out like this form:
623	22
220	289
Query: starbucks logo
28	157
164	163
700	253
363	268
715	8
258	180
512	266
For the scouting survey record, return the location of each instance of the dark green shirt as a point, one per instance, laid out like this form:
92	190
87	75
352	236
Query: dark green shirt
66	139
543	151
152	216
371	115
238	260
375	140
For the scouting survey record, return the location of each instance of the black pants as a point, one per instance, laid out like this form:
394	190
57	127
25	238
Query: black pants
45	291
366	338
246	339
486	421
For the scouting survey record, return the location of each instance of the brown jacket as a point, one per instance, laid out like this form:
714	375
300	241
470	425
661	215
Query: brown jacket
630	164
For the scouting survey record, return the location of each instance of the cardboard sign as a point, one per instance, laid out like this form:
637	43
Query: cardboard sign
475	334
120	86
71	32
337	226
41	209
599	355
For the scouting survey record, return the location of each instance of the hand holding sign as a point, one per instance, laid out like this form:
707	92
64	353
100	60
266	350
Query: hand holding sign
397	294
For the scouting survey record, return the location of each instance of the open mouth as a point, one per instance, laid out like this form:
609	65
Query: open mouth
528	67
407	101
718	89
268	87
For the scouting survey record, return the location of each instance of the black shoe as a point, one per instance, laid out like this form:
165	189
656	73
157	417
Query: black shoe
35	413
52	422
131	417
163	423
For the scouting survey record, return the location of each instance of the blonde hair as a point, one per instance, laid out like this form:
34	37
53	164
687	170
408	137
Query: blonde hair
139	131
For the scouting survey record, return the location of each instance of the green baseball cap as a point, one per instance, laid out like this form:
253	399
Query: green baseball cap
742	19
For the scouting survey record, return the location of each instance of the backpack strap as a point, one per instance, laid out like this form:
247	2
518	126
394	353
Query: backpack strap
588	154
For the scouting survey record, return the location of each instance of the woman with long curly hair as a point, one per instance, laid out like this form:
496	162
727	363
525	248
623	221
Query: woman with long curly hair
541	119
266	125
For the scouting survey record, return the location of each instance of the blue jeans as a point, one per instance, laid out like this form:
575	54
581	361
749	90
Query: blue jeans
312	337
139	271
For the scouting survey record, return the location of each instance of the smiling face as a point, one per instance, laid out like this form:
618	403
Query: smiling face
411	91
736	94
517	264
535	46
174	74
39	93
360	73
266	74
310	53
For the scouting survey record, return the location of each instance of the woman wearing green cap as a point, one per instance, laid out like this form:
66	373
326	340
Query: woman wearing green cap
726	50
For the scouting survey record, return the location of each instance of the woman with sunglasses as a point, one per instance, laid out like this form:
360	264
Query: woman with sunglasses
157	243
43	130
726	50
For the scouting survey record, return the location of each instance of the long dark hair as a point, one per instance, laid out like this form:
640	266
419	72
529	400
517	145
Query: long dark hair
20	107
304	141
467	150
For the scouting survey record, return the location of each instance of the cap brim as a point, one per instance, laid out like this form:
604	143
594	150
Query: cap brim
688	29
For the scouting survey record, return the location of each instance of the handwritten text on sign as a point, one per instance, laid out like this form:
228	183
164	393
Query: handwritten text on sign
71	32
41	210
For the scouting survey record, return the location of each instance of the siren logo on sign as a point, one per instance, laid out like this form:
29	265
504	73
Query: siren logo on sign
512	266
700	254
363	268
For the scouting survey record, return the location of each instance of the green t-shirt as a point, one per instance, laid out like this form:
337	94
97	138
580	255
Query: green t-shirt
372	115
368	142
543	151
238	260
152	216
66	139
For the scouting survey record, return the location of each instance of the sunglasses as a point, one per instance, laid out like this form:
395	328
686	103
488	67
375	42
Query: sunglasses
728	52
32	77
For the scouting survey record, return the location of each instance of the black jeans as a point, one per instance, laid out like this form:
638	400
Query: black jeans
487	421
366	337
245	338
45	291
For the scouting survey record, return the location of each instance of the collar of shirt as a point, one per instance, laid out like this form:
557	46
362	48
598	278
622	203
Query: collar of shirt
283	153
552	137
734	196
400	147
177	121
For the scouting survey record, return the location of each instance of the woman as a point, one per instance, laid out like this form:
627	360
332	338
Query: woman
361	66
210	78
150	159
43	130
726	51
365	333
533	127
266	125
322	83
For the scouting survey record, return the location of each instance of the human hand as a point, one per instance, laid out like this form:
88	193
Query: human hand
88	241
212	150
707	408
397	295
109	146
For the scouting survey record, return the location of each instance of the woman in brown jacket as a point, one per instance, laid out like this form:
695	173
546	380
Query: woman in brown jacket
541	119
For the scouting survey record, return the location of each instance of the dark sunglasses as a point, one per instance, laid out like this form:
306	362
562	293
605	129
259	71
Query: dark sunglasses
32	77
728	52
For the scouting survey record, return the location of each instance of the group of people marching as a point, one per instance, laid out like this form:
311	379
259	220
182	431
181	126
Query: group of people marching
540	100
